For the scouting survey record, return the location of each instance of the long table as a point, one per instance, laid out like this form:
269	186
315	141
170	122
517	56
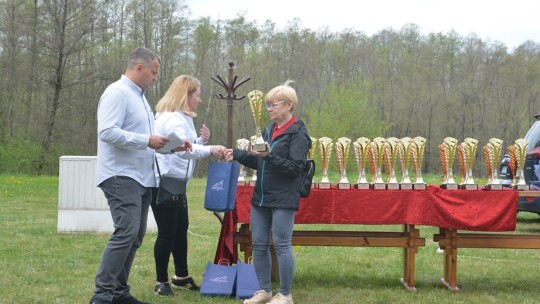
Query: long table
474	210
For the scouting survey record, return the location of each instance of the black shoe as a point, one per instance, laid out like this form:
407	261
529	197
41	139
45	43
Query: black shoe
163	289
128	300
94	301
186	283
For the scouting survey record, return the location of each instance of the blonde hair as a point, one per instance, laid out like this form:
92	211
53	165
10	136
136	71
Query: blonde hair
176	97
283	92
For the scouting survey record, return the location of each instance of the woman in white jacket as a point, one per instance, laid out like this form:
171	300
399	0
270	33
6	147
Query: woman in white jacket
174	114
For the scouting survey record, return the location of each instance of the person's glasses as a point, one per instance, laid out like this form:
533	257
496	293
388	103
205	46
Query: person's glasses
273	105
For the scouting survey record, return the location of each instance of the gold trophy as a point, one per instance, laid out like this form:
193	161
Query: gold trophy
469	154
360	147
404	154
325	153
253	180
390	156
447	152
417	153
521	146
376	150
492	152
343	145
255	101
512	164
242	144
461	158
311	153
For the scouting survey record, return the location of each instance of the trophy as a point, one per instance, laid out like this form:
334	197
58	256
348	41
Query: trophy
242	144
469	146
492	152
311	153
360	147
325	152
512	164
343	144
447	151
253	180
521	146
404	154
376	150
390	155
417	152
461	159
255	101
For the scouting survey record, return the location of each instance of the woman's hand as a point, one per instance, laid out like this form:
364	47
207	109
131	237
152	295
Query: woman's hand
228	154
187	146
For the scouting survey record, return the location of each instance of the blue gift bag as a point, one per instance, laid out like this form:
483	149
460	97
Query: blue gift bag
219	280
246	280
221	185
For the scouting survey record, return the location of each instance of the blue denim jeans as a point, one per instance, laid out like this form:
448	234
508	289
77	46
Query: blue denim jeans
128	202
279	223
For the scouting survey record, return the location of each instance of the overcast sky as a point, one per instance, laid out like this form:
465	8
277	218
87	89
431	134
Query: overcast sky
510	22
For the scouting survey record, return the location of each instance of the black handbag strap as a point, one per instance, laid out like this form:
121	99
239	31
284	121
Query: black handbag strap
159	171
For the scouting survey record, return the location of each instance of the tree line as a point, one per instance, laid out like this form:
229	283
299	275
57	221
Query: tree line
57	57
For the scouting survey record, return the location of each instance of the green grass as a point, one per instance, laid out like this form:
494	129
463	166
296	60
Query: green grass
39	265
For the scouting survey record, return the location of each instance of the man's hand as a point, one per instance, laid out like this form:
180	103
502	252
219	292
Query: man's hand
157	141
187	146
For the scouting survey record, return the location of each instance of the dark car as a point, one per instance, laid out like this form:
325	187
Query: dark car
531	170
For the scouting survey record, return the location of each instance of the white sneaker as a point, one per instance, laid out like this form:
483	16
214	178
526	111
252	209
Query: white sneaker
281	299
260	297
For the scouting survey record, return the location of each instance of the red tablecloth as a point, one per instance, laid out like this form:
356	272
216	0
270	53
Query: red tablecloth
477	210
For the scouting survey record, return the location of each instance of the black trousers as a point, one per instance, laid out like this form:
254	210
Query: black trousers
172	223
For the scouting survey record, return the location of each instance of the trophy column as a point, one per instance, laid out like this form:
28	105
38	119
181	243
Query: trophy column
390	155
376	148
404	154
521	146
311	154
255	101
325	153
447	151
242	144
492	153
469	146
360	147
343	145
418	149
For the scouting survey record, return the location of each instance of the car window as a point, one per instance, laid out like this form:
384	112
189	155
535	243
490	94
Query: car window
533	136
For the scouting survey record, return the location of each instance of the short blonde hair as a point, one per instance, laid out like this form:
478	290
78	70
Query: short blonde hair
176	97
283	92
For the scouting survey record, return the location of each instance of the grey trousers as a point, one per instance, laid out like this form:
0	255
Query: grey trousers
128	202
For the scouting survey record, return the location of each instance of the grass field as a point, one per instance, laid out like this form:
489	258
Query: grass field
39	265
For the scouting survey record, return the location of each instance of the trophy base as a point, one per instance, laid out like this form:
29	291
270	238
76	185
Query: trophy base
469	187
313	186
242	183
252	183
494	187
392	186
259	147
406	186
324	186
378	186
419	186
449	186
521	187
342	186
362	186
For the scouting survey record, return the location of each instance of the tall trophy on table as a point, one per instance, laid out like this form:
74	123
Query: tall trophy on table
375	153
242	144
255	101
404	155
360	147
468	151
521	145
343	145
447	152
418	150
492	153
325	152
390	156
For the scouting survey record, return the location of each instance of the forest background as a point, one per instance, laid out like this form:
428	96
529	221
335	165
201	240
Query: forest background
57	57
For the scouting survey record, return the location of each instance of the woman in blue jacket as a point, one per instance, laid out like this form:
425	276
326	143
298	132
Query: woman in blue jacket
277	192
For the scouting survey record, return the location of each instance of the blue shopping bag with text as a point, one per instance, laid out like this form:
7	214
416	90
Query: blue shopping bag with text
221	185
219	280
246	280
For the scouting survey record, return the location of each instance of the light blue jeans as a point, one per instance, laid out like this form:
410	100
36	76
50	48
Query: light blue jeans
279	223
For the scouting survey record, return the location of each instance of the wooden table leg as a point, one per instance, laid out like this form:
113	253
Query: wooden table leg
409	254
450	259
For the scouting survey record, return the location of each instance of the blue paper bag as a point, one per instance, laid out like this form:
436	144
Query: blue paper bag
219	280
246	280
221	185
